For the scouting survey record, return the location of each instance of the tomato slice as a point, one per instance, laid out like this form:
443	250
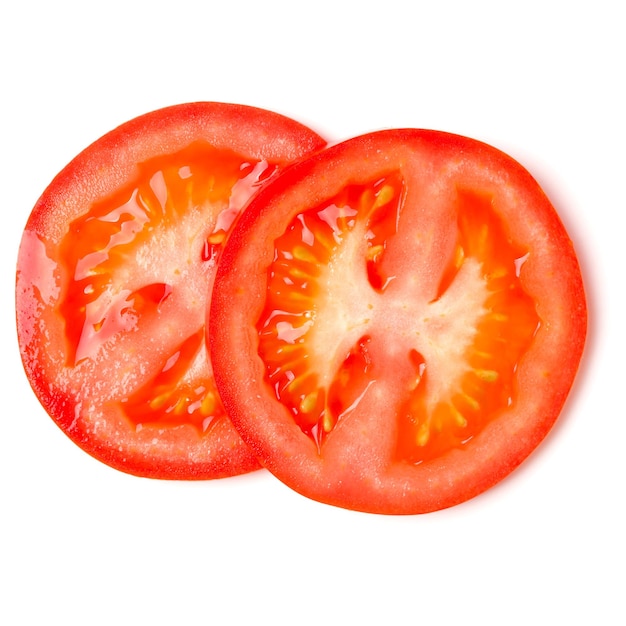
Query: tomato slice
113	277
397	321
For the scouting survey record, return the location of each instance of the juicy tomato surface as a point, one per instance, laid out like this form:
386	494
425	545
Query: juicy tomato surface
396	321
113	276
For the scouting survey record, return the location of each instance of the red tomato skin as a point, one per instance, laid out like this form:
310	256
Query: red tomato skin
355	469
96	173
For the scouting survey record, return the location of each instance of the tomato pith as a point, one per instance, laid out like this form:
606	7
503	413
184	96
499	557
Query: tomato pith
410	317
111	292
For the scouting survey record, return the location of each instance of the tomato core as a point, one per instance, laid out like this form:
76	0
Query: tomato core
166	226
324	330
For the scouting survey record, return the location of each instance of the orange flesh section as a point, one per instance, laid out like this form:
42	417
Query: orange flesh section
320	389
180	202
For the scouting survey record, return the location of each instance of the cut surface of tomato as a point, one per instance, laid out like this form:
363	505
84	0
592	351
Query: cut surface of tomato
114	275
404	316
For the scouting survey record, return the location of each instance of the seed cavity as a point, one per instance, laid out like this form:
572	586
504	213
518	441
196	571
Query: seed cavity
433	423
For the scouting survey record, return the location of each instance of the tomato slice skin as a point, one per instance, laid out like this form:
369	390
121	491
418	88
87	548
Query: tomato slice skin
468	289
113	275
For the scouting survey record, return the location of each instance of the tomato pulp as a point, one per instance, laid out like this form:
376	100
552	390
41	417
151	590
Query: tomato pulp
113	276
397	321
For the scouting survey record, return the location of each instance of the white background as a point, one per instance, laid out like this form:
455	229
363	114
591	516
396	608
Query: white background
543	80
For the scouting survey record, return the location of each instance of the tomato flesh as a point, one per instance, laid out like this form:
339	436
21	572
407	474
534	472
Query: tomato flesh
434	417
167	226
114	275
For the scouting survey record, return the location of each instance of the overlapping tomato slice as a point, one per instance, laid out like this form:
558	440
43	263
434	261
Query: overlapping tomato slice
404	316
113	280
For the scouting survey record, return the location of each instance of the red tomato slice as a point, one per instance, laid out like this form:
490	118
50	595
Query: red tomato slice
396	321
113	277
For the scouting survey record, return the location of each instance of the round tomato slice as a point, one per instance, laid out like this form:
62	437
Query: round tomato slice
113	278
397	321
